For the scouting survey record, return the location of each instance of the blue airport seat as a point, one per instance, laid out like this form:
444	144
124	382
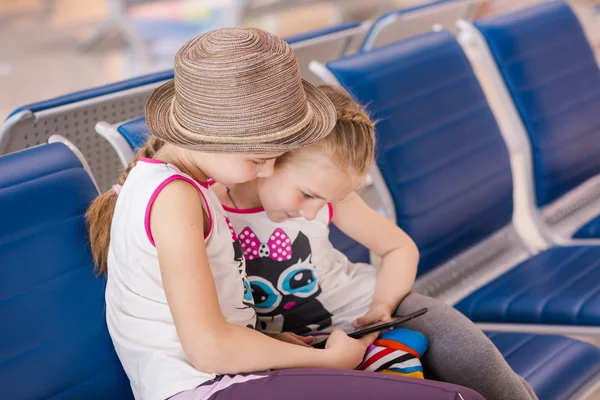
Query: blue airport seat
52	303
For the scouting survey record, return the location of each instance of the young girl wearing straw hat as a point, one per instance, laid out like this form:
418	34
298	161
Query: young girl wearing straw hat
179	307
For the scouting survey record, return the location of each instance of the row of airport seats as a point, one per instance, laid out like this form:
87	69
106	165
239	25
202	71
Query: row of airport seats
75	115
445	168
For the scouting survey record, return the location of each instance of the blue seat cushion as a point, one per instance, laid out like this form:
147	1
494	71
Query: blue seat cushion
553	77
135	132
556	367
96	92
560	286
591	230
54	342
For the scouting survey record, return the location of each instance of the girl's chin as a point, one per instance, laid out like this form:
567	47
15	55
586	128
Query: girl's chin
276	216
279	216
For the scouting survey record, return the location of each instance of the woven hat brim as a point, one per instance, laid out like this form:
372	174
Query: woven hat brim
322	123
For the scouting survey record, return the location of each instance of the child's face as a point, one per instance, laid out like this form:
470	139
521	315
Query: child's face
300	187
236	168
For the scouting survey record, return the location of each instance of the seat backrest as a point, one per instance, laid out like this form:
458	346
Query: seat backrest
55	343
75	115
553	77
439	147
325	45
135	132
401	24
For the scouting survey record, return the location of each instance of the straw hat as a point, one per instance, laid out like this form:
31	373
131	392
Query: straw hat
238	90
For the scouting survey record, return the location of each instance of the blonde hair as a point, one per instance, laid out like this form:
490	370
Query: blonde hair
351	143
100	213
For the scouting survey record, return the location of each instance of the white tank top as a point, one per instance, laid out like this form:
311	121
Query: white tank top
300	282
138	316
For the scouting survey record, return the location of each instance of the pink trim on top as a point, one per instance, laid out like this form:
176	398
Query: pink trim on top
205	185
330	206
151	160
243	210
155	195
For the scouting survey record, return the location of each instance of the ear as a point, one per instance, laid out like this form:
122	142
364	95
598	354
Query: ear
301	247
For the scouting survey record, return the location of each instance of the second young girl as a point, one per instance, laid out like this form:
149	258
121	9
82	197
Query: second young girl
300	283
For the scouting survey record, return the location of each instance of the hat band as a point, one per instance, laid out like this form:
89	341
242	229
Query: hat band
267	138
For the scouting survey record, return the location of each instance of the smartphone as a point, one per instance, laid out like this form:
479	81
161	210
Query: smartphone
378	326
319	342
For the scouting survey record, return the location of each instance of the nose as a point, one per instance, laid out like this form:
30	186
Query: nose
309	211
266	170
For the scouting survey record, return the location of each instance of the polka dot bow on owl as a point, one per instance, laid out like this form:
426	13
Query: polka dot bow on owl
278	247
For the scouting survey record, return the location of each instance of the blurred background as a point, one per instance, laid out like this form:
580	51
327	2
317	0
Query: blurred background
549	120
52	47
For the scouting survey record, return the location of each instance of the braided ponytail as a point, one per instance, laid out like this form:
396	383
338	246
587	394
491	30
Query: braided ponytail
100	213
351	144
358	117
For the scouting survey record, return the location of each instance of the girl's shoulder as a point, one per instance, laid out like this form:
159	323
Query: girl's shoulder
155	175
145	183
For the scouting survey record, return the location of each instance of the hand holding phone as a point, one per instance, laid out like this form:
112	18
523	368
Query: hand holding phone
345	352
320	340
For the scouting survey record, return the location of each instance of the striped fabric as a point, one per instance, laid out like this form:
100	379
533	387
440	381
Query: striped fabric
396	352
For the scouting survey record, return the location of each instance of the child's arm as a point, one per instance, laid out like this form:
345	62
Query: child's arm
399	254
211	343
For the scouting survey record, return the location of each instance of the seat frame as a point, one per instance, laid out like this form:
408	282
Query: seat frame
78	154
400	24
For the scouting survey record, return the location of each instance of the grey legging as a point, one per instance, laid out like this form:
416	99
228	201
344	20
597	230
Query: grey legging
460	353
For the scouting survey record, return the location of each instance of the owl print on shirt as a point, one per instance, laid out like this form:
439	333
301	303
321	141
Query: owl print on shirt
284	282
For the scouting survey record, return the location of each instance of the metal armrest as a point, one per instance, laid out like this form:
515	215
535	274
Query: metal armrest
117	141
78	154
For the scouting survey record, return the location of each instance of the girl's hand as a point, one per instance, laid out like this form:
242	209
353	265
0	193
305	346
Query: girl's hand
345	352
292	338
377	313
